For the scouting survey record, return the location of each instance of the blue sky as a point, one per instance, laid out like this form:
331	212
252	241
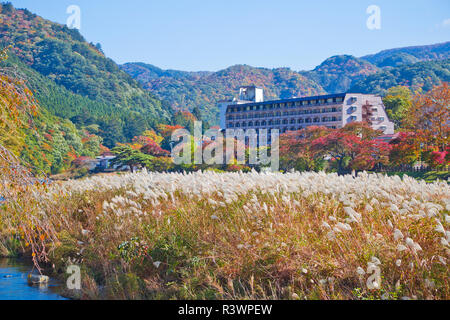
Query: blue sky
211	35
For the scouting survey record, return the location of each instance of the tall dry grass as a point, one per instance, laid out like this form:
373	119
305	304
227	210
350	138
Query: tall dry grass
251	236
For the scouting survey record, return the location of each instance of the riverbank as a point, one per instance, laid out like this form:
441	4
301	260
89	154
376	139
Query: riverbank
14	284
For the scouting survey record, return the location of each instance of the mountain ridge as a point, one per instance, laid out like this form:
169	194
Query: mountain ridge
340	73
436	51
63	56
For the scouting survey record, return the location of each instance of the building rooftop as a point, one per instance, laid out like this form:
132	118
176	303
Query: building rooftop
327	96
247	87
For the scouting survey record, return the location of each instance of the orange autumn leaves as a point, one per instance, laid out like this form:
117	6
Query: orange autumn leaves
17	108
429	117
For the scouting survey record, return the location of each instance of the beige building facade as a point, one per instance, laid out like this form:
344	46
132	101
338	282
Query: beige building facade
250	111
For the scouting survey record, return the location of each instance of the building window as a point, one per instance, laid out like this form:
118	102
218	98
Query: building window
352	109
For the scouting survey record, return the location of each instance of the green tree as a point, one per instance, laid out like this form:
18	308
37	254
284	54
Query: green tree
134	126
127	156
111	132
398	101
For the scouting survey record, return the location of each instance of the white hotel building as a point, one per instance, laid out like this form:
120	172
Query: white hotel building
250	111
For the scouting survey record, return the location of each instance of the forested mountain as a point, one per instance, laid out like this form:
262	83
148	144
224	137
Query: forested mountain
45	139
418	76
407	55
95	91
416	67
339	73
186	90
74	80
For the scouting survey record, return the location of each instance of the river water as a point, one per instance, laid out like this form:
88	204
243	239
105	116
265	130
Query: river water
14	284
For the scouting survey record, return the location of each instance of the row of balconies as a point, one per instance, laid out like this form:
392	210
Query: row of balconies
237	108
282	129
284	114
283	122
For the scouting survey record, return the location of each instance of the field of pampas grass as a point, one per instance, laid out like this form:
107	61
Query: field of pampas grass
248	236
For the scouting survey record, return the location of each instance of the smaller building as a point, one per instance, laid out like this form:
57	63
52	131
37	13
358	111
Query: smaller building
103	162
251	94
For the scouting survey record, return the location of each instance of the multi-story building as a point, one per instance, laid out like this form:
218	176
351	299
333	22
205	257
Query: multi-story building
250	111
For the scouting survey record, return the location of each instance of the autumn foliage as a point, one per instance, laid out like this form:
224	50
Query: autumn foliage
429	117
350	148
423	136
153	149
17	108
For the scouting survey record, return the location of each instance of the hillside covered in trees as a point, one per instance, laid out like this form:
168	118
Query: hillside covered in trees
420	76
187	90
408	55
74	80
339	73
418	67
85	101
46	142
